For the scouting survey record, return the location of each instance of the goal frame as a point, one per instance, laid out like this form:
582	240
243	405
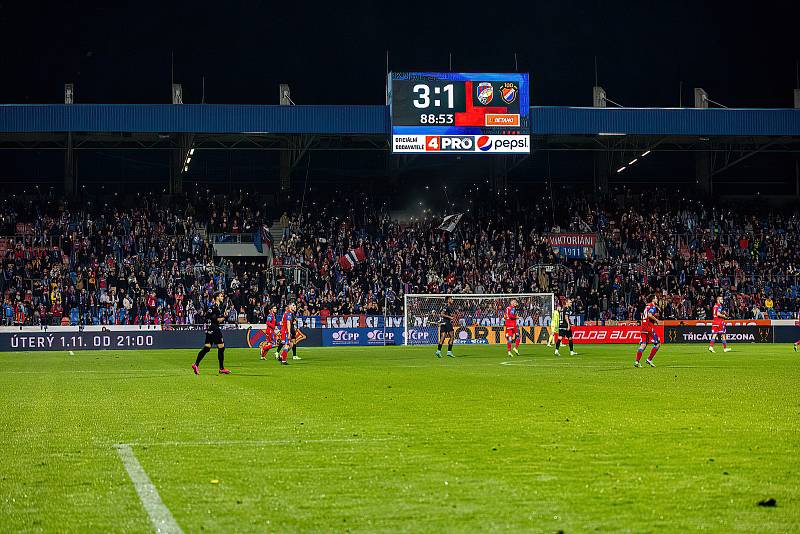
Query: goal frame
465	296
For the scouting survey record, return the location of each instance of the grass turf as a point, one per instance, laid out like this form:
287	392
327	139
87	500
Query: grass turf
391	439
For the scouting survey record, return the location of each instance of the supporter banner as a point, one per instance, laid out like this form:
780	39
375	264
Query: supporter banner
574	246
498	321
611	334
702	334
351	321
25	228
786	334
360	337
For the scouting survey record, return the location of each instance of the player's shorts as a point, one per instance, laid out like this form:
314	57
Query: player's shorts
718	328
512	331
446	328
286	338
647	335
565	332
214	338
269	336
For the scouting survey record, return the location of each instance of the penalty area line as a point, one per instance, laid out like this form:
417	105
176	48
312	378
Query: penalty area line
160	516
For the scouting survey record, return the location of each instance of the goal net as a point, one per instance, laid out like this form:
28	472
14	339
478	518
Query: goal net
478	318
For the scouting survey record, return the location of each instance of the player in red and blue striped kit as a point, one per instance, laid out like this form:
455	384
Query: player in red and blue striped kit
649	322
718	330
287	337
512	329
271	322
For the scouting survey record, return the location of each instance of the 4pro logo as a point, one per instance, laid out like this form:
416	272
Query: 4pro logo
452	143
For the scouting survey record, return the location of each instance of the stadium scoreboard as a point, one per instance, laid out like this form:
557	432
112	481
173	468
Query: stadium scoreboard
456	112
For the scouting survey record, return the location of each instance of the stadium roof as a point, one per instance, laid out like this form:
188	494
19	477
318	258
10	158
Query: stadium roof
374	120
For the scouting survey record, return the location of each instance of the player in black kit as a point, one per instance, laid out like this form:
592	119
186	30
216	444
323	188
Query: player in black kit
446	328
565	329
215	316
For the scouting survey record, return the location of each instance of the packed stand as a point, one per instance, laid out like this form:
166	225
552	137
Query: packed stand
148	260
142	260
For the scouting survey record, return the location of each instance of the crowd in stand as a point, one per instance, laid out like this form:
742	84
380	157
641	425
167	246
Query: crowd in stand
144	260
148	260
684	250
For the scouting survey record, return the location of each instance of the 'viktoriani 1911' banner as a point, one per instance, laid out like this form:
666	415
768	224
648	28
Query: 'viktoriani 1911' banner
573	246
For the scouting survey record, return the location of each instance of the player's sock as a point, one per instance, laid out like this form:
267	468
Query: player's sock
516	343
653	353
294	351
221	357
201	355
450	348
711	343
724	344
284	354
508	346
571	346
639	354
558	343
440	348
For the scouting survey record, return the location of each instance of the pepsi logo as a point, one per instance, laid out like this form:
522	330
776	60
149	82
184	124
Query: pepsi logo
484	143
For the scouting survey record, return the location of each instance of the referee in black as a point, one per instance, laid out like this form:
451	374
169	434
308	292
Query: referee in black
565	329
215	316
446	328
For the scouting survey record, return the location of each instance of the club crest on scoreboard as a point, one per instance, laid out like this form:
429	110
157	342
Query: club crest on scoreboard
485	92
508	92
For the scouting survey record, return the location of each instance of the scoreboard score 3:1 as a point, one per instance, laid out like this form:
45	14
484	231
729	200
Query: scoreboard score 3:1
447	112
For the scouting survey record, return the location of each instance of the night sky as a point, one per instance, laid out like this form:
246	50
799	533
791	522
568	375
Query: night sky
743	53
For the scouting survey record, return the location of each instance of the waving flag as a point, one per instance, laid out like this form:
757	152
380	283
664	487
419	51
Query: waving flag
450	222
349	260
262	237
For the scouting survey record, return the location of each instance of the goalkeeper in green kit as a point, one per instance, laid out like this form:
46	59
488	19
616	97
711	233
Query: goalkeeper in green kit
555	319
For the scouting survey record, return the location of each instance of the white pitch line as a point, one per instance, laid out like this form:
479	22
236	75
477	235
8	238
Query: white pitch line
252	442
96	371
516	362
159	514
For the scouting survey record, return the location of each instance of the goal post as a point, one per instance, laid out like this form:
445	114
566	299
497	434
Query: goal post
478	318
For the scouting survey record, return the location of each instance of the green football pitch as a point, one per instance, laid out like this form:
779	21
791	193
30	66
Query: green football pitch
392	439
